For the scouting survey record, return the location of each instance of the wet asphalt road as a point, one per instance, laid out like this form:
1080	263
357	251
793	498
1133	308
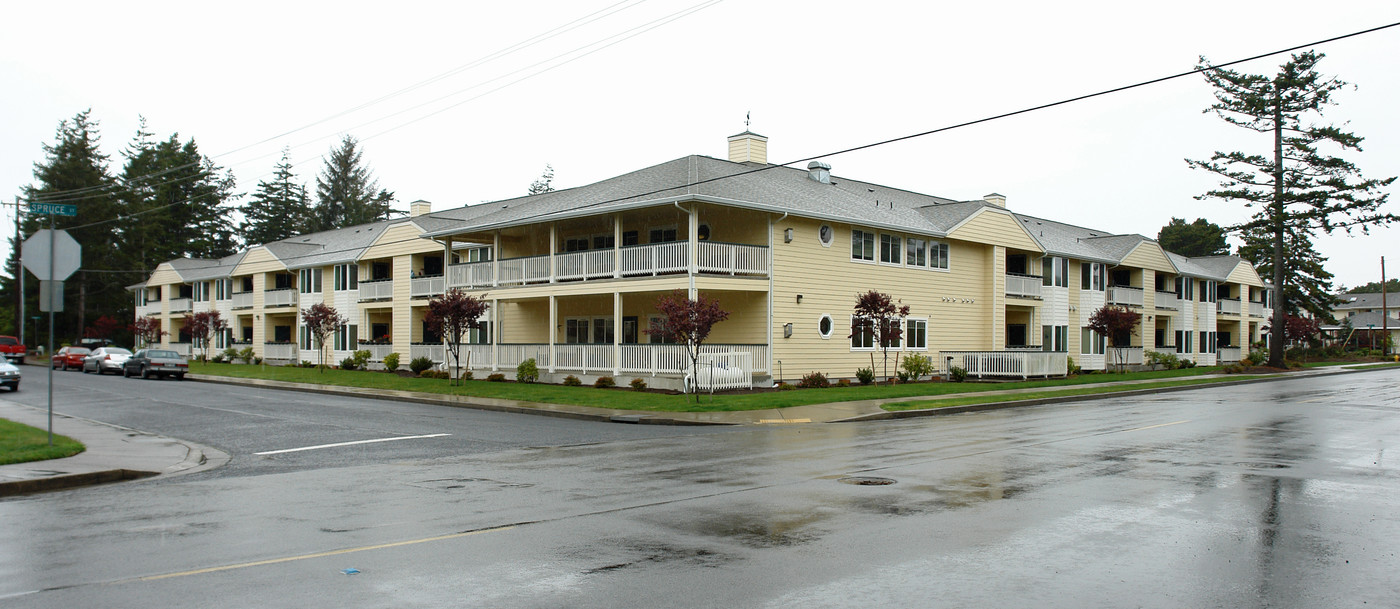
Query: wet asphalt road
1267	495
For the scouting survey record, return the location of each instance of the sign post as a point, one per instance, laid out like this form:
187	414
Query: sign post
52	255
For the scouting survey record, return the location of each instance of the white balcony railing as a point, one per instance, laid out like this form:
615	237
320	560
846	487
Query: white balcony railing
1256	309
181	305
242	300
433	351
520	271
640	359
1229	354
636	260
1228	306
1024	286
1168	300
1129	356
1124	295
280	351
379	289
285	297
425	287
731	258
182	348
584	265
1014	364
376	352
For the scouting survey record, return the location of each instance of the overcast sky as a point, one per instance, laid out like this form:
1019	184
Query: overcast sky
452	108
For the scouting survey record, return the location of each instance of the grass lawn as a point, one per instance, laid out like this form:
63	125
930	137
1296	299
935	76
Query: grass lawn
625	399
22	444
1050	393
1373	366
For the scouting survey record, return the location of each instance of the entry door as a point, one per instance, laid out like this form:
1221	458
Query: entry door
1016	335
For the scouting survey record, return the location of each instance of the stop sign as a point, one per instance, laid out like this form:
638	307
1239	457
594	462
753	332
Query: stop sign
67	254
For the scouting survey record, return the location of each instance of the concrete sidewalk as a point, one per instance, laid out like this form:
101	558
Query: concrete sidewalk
117	453
113	453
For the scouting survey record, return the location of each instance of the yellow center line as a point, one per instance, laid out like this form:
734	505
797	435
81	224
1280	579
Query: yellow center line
273	561
1156	426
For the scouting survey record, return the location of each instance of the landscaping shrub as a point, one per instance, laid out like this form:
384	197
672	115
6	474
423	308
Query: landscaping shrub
572	381
246	354
306	363
361	358
391	362
903	377
604	382
497	377
1232	369
866	376
527	371
916	366
1256	357
1168	361
638	385
957	374
843	383
1071	367
217	359
429	374
419	364
785	387
230	354
814	380
347	363
257	360
466	375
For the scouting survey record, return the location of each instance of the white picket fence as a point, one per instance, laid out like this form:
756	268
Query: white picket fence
1014	364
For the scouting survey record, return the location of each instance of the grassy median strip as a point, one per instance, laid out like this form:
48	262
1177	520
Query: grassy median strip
22	444
625	399
970	400
1373	366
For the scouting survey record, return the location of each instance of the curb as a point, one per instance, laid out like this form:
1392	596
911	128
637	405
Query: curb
57	483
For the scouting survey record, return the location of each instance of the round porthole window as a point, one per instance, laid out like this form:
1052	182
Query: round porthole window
824	326
826	235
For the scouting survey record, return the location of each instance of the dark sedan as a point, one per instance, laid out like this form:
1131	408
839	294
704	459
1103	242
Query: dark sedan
155	362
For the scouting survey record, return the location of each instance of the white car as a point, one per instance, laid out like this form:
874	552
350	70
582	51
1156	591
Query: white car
106	359
9	375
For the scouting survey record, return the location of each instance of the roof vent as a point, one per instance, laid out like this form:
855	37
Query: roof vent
819	171
995	199
419	207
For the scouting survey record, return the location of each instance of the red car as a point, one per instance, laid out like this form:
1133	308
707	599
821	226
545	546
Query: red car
70	358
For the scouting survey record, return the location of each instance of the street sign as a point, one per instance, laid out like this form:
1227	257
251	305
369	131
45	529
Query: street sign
51	296
57	209
65	253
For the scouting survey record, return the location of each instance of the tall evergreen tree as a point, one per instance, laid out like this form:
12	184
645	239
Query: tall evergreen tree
347	192
74	172
1199	238
544	184
1309	284
178	202
1296	188
279	209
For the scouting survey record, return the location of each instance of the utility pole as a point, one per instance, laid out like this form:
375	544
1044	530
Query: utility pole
1385	314
19	278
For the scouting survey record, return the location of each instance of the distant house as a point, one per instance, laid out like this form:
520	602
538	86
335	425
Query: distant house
573	275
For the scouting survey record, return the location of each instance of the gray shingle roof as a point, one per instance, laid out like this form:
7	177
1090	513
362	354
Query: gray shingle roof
1368	301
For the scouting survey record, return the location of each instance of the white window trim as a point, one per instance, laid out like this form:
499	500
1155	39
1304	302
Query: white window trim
850	341
904	343
880	250
829	229
949	261
828	318
874	249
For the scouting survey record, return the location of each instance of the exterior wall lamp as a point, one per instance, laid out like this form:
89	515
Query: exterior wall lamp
787	235
787	330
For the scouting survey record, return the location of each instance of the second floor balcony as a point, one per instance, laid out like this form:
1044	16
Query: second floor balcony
631	261
1023	286
1167	300
1124	295
426	287
1256	309
181	305
379	289
1228	306
285	297
242	300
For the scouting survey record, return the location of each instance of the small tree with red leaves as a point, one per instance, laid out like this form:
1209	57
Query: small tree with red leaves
687	322
104	327
880	319
1300	330
322	321
1118	324
147	331
451	315
203	326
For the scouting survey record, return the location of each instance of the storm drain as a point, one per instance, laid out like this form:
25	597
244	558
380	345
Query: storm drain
866	480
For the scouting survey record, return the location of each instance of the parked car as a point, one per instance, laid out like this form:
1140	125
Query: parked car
69	358
9	375
155	362
106	359
12	349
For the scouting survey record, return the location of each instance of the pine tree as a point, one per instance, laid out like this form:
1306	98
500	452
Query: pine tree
178	203
75	172
544	184
1309	284
347	192
1199	238
1296	188
279	209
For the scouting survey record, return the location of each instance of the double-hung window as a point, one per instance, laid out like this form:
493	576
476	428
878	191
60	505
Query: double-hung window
916	252
862	333
1091	276
889	249
862	245
938	255
347	338
1090	342
347	277
309	281
1054	338
1054	271
916	331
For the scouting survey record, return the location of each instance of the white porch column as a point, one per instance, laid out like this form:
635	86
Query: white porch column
617	246
495	260
617	334
447	263
553	247
693	245
496	335
553	323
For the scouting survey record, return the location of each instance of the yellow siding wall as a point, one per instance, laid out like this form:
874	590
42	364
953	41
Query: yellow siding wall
957	302
400	239
995	227
525	321
164	275
1245	274
1148	256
